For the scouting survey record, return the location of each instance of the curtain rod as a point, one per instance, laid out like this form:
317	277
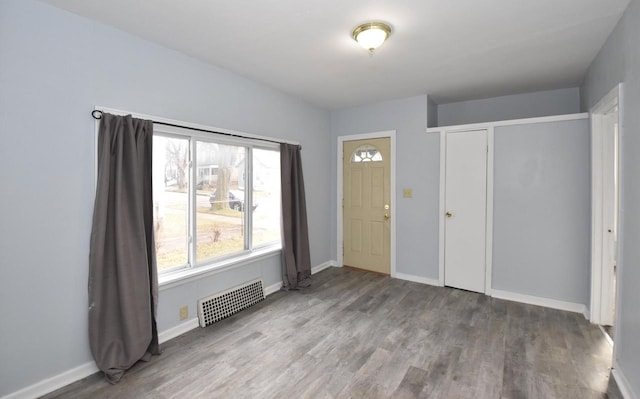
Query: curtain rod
97	115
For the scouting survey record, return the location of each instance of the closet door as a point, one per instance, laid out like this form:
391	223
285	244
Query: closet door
466	209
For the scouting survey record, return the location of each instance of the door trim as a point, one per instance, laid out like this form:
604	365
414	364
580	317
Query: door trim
489	215
597	237
391	134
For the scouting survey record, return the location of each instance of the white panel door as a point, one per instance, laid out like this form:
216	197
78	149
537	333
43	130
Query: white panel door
610	215
466	209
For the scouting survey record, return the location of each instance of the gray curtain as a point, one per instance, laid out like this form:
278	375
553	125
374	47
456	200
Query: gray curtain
123	284
296	260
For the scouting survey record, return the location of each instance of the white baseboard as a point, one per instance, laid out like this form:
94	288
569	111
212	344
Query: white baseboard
272	288
56	382
539	301
623	383
322	266
178	330
416	279
276	287
75	374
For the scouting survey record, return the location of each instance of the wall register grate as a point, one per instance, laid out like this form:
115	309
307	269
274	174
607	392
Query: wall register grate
224	304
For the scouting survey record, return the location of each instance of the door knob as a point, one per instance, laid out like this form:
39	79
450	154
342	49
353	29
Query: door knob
386	216
449	214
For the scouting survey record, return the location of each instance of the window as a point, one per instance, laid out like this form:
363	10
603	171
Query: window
215	198
266	197
366	153
170	201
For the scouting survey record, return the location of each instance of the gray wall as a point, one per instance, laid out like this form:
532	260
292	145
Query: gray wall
54	68
541	223
432	113
619	61
541	198
517	106
417	162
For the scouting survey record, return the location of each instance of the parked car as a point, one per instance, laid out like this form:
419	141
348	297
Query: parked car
236	200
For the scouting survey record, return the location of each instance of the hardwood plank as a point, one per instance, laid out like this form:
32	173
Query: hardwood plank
357	334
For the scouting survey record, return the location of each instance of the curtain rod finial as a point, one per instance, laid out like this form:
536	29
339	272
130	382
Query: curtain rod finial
96	113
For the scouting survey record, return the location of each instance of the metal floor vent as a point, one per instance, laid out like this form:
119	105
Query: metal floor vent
224	304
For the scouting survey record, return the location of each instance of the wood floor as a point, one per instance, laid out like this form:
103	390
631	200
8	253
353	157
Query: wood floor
354	334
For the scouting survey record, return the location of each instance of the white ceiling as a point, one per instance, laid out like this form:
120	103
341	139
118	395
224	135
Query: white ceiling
451	49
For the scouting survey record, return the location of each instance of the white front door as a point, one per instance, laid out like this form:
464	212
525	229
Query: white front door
466	209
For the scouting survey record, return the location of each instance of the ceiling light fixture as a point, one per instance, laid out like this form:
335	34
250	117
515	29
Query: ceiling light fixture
371	35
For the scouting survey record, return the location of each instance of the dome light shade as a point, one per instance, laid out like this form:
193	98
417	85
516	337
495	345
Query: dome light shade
371	35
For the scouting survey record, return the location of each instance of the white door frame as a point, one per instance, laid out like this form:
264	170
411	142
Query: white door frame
489	225
613	98
391	134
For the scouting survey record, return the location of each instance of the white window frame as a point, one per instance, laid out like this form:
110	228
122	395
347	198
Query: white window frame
249	145
250	254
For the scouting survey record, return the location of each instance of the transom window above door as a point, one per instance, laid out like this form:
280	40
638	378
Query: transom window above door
366	153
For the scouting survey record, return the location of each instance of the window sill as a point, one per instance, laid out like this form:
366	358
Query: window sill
180	277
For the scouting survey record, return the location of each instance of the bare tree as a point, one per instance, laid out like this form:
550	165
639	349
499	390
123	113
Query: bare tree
227	160
177	157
